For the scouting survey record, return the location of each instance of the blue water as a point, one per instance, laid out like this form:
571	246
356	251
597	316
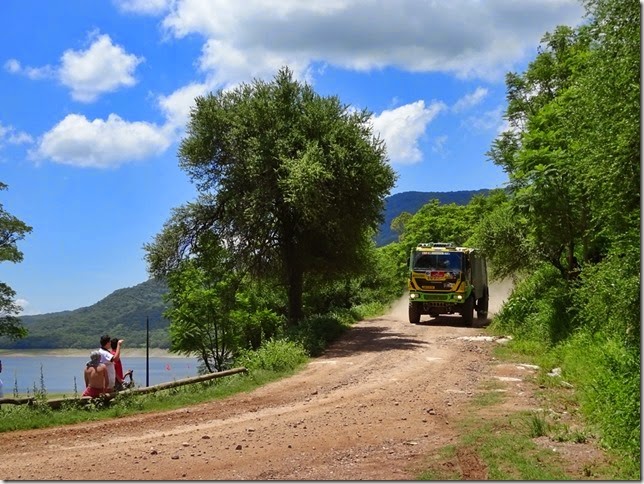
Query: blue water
59	372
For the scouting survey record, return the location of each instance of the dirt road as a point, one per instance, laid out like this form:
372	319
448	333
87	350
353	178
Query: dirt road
372	407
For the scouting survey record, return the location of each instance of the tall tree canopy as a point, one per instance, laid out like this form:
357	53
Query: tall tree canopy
291	183
11	231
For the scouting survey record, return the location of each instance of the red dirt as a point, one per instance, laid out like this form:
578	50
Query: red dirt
381	400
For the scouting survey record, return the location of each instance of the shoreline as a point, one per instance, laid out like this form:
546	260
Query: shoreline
127	352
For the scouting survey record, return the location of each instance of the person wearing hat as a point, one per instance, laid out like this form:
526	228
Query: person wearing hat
96	380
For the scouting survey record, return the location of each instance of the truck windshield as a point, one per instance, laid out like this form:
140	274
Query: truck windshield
438	261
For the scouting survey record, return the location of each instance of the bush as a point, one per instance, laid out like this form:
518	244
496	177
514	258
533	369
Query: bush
607	375
538	309
274	355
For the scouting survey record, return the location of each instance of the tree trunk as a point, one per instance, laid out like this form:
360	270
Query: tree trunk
295	289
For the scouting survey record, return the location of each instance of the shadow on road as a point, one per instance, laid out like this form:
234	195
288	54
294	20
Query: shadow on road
372	338
453	321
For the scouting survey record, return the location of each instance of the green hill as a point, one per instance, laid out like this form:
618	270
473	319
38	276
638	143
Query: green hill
411	202
122	314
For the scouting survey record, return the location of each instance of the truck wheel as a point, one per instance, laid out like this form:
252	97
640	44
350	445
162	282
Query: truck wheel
482	306
414	313
468	311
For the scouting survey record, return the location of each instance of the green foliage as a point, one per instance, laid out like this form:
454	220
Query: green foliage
316	332
607	374
539	308
274	355
272	163
12	230
200	313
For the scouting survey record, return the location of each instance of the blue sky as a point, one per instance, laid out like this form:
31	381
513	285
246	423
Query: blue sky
95	96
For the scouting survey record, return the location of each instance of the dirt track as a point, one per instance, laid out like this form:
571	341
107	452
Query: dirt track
372	407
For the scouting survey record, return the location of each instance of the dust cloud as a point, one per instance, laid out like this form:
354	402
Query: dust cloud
499	293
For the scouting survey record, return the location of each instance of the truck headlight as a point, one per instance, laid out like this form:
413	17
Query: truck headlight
459	297
413	296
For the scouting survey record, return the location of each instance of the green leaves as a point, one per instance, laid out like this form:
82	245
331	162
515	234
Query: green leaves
289	181
12	230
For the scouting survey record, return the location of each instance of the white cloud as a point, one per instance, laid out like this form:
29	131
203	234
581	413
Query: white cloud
35	73
103	67
401	129
8	134
470	100
176	106
144	7
101	143
467	38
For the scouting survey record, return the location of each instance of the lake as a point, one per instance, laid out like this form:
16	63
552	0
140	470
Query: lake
59	371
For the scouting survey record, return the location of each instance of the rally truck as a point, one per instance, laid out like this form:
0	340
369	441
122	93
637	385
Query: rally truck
446	279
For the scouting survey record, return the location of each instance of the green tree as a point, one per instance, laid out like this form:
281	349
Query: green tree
11	231
291	182
200	314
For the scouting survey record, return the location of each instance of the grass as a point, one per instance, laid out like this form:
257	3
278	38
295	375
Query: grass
511	446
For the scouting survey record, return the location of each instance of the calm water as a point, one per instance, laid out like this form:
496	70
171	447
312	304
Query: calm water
59	372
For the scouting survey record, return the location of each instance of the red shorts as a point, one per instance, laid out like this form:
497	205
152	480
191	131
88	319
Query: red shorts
93	392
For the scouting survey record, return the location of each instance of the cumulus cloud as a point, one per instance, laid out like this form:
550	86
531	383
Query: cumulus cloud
101	143
402	128
103	67
467	38
470	100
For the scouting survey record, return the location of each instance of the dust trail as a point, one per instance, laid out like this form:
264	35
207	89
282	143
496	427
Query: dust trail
499	293
399	309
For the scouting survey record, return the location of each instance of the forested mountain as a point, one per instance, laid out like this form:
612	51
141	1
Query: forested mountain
122	314
411	202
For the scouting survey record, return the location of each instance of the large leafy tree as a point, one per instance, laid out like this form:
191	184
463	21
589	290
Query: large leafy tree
291	182
11	231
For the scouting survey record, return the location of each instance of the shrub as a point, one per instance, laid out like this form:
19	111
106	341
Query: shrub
274	355
539	308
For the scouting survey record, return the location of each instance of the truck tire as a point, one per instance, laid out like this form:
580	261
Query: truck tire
468	311
482	305
414	313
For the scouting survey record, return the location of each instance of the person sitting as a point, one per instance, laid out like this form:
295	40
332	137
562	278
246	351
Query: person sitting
96	380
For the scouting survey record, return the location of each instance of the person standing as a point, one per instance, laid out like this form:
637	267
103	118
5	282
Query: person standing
108	359
96	380
118	367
